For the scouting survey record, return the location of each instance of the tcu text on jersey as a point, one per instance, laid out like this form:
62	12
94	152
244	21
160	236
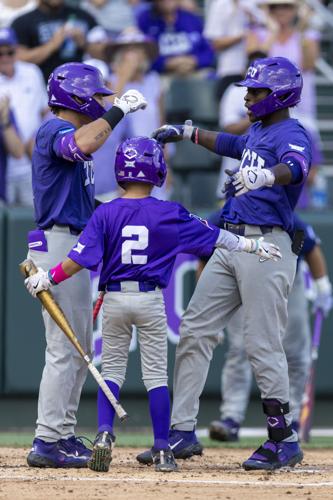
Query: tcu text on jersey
251	159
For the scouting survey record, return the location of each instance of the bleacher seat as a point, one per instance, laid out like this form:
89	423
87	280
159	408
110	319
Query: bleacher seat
193	99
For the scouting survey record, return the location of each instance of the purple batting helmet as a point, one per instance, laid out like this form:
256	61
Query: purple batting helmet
73	85
140	159
281	77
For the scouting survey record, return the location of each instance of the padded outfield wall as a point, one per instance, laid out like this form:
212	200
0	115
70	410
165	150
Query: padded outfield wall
22	341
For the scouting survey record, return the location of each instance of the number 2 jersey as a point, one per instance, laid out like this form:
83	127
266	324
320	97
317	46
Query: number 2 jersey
139	239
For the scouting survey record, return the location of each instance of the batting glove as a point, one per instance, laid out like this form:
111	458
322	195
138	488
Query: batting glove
265	250
324	299
229	189
38	282
250	178
131	101
173	133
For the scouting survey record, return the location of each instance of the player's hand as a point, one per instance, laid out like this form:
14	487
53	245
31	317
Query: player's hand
250	178
265	250
38	282
229	189
131	101
173	133
324	299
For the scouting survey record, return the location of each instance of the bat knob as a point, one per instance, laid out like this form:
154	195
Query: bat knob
124	417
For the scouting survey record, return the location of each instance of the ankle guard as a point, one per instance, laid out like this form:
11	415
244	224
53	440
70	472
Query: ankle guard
276	423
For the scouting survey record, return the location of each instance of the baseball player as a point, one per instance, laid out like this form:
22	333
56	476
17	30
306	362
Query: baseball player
275	157
137	238
63	186
236	375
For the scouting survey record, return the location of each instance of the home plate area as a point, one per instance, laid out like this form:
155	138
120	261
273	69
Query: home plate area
215	475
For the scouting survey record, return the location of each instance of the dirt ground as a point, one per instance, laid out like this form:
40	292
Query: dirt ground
216	475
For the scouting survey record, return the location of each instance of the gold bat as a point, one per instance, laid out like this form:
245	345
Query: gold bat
28	268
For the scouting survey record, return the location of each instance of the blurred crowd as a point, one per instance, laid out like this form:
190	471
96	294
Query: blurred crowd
144	45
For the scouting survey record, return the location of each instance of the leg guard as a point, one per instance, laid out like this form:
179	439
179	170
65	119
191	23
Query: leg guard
277	427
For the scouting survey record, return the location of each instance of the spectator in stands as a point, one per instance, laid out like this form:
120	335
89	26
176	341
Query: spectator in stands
131	55
226	28
190	5
22	83
52	34
10	9
286	34
179	33
113	15
10	143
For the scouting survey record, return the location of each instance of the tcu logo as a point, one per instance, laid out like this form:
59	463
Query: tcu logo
252	71
251	159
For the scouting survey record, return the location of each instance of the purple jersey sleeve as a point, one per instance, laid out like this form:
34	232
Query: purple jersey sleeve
299	147
230	145
196	235
64	146
89	250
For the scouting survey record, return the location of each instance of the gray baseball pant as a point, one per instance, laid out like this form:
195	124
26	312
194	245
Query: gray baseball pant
65	371
229	280
236	376
145	310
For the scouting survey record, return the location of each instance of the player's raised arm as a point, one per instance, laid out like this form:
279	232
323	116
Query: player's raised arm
77	89
90	137
218	142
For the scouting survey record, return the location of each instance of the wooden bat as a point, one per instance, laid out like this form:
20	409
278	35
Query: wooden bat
309	392
98	305
28	268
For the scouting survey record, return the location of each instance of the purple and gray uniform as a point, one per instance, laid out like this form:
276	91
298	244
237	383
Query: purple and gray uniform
63	186
137	241
260	287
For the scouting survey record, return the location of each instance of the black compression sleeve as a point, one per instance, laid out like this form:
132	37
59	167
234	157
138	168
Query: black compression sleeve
113	116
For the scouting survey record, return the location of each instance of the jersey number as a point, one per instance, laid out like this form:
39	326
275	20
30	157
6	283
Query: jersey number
140	243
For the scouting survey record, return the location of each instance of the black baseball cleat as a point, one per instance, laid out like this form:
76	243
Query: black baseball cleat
183	444
102	452
164	460
224	430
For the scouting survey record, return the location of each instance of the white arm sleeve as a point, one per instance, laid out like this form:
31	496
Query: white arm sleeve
232	242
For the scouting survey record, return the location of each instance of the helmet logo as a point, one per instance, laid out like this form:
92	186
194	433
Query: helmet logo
252	71
129	163
130	153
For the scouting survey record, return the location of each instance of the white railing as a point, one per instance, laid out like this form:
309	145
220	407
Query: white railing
325	69
323	12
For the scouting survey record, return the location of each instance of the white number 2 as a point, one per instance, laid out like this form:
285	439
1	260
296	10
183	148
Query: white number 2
138	244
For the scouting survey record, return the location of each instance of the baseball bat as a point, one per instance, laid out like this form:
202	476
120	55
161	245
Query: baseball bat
28	268
309	392
98	305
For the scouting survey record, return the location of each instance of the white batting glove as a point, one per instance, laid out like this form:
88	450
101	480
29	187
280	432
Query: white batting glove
173	133
250	178
38	282
324	299
265	250
131	101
